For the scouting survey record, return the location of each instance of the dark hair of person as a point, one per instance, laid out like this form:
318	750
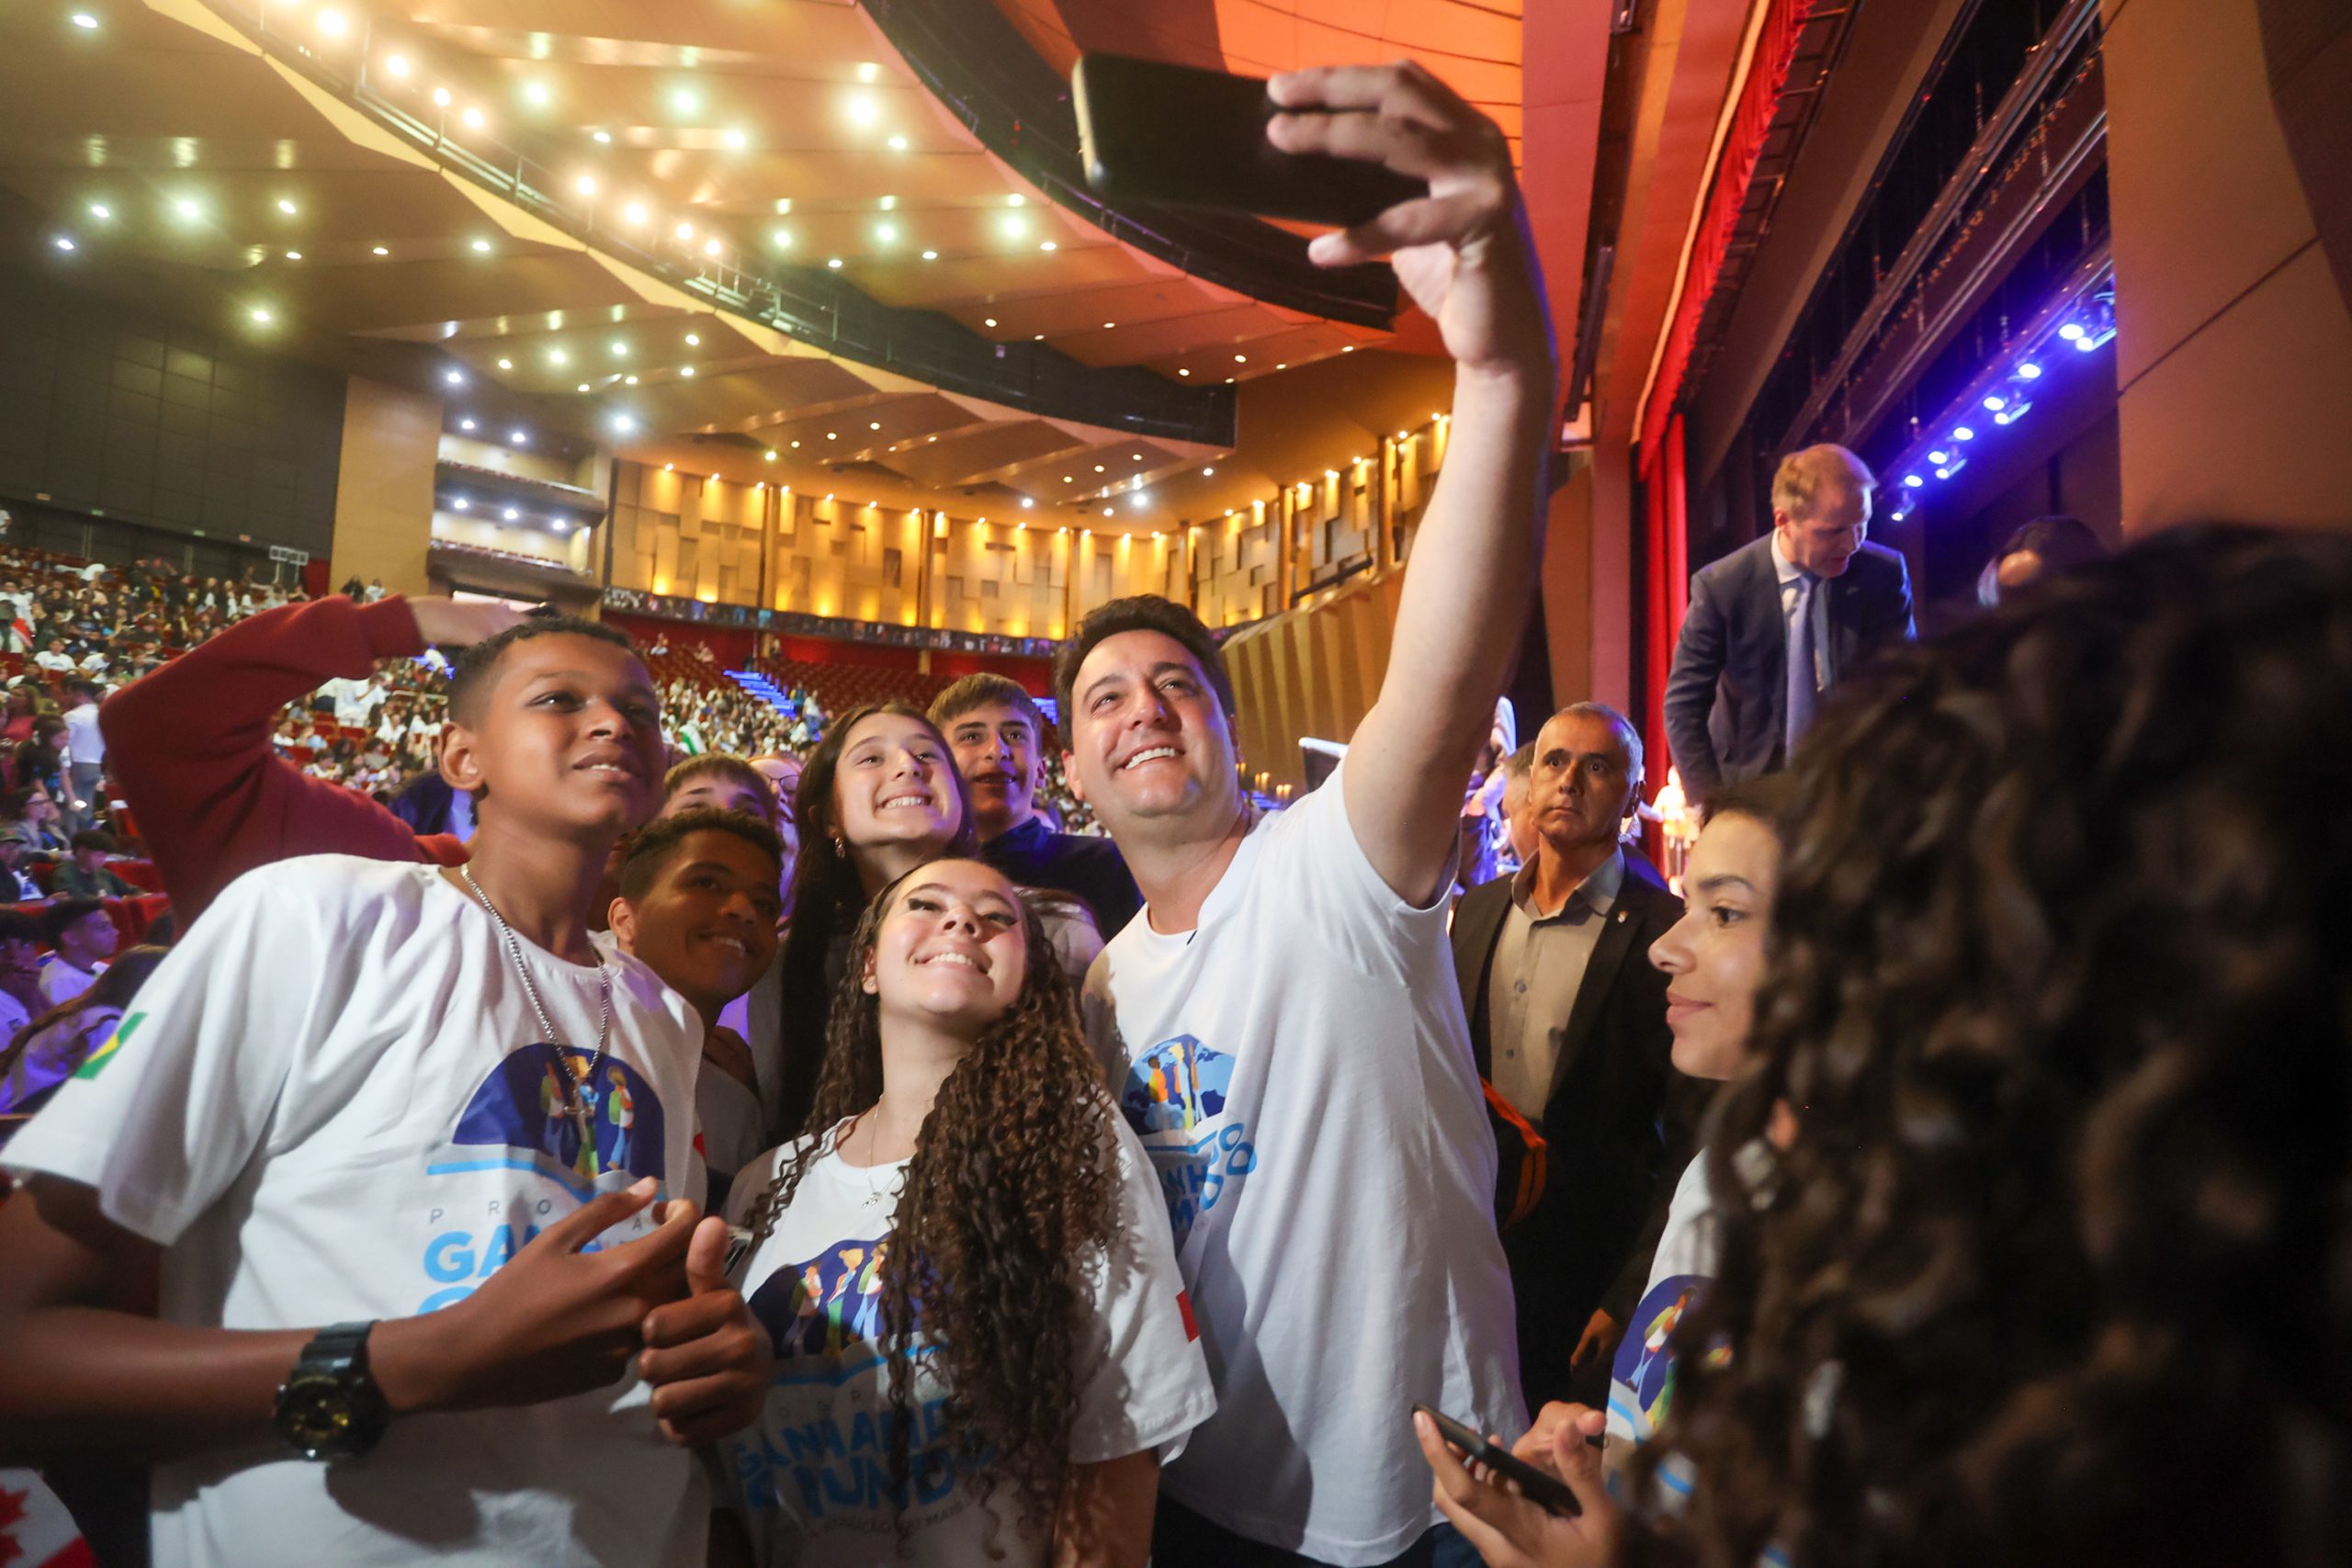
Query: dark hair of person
826	898
708	764
980	689
93	838
659	842
1766	799
2060	542
16	925
2056	990
113	989
1012	1192
66	912
1138	612
470	675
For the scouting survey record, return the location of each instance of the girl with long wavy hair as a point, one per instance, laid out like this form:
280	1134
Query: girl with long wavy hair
982	1346
2055	1267
878	796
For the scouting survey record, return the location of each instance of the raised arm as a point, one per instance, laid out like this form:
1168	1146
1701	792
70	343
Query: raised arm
1464	254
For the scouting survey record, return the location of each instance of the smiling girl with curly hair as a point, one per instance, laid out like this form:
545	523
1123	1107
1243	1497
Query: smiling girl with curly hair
982	1348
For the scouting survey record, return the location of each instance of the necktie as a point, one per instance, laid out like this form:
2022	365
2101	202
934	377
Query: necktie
1803	691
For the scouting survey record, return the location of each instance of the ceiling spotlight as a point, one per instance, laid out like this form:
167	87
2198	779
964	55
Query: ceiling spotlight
441	96
63	243
1963	434
1207	472
1098	468
711	247
694	340
1939	456
1048	245
1026	503
687	371
623	424
1347	348
1183	372
538	93
286	206
482	246
2071	331
84	20
684	102
1241	359
1914	480
1281	367
684	230
585	184
101	211
185	207
262	315
556	356
1017	199
379	250
634	212
2030	370
474	118
833	261
737	139
869	72
795	446
863	109
898	144
987	321
885	232
506	365
461	505
518	438
628	380
1016	226
784	207
334	23
560	526
768	455
603	136
781	239
464	424
874	424
455	378
510	514
1995	401
293	255
931	255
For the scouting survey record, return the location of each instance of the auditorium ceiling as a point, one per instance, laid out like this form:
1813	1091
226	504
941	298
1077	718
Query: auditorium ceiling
557	212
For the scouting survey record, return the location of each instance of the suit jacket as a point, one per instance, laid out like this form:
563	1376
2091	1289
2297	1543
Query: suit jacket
1726	700
1603	1119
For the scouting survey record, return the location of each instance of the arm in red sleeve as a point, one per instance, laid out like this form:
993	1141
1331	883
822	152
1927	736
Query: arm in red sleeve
189	747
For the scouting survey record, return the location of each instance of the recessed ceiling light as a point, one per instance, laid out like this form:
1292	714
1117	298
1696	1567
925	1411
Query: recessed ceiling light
1206	472
684	102
781	239
538	93
885	232
687	371
510	514
624	424
898	144
1281	367
694	340
293	255
931	255
739	140
520	438
475	119
461	505
869	72
441	96
84	20
1049	245
455	378
1017	199
482	245
187	208
863	109
634	212
1015	226
1108	325
768	455
556	356
380	251
833	435
1348	348
1183	372
603	136
583	386
684	230
1098	468
286	206
1241	359
261	314
334	23
101	211
506	365
795	445
833	261
63	243
711	247
464	424
987	321
874	424
585	184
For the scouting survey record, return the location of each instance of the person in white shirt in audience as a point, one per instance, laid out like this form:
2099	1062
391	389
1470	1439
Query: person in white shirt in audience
85	750
37	1056
82	937
54	657
1282	1020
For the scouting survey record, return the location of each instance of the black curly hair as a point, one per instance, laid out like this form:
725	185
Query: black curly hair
2058	1267
1012	1192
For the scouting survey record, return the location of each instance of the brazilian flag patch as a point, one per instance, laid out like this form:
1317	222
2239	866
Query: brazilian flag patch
105	1053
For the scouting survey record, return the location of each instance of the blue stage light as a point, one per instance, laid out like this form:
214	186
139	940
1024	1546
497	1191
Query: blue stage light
1963	434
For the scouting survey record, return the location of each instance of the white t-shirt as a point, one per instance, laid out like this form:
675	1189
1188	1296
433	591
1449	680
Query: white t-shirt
812	1479
330	1104
1300	1073
61	982
49	659
84	742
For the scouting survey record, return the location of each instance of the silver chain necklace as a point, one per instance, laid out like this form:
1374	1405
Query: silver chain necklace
576	1103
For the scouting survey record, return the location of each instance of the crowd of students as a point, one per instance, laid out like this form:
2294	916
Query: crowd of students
760	1161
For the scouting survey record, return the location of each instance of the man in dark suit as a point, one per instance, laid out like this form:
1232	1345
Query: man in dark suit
1777	622
1567	1018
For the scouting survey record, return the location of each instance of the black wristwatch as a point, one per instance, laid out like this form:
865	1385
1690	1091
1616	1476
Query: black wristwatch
329	1406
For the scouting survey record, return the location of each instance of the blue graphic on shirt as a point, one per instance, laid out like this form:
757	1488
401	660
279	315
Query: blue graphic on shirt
516	1120
824	1317
1174	1092
828	1307
1642	1380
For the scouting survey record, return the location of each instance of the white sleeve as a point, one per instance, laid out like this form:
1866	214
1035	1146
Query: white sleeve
1143	1379
165	1116
1313	857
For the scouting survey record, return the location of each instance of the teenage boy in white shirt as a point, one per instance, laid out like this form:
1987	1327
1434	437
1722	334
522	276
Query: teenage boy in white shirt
427	1108
1282	1020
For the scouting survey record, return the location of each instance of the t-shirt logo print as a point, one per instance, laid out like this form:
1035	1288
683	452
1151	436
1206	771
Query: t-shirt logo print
827	1306
106	1053
1175	1099
518	1112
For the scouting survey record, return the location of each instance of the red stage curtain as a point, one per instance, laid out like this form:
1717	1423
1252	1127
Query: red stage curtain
1666	584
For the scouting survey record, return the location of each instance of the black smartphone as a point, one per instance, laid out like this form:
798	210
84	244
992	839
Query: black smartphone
1151	131
1546	1492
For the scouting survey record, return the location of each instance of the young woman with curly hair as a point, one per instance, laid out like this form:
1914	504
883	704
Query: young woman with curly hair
982	1346
2052	1267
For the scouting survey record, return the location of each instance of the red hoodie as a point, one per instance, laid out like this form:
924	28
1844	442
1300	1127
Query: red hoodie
189	747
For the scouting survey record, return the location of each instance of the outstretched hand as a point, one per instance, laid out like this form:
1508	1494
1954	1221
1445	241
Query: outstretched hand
1461	252
1508	1530
452	623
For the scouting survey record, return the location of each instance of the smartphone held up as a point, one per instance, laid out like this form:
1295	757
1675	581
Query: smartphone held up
1152	131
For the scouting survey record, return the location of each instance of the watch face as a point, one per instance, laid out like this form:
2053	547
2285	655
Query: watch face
316	1413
